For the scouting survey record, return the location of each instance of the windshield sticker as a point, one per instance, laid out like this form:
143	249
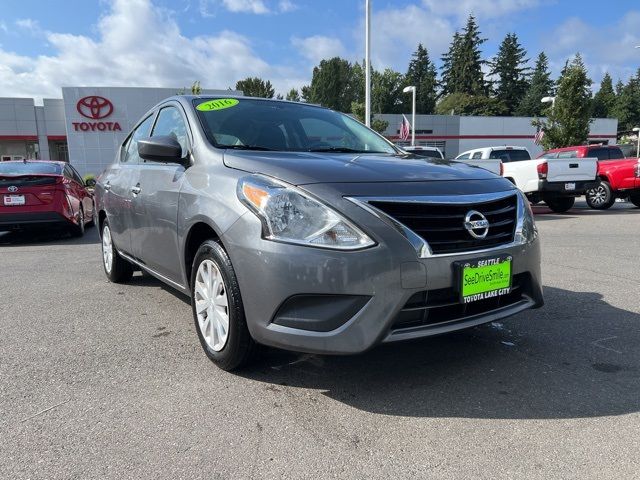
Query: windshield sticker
218	104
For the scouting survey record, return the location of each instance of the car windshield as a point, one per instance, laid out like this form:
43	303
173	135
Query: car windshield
251	124
30	168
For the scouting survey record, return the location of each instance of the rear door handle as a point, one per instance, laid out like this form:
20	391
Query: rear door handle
107	186
136	190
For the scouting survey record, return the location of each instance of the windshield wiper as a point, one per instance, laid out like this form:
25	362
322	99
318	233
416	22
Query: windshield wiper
341	150
247	147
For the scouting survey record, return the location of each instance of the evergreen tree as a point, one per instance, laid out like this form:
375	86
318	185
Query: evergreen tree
627	105
471	79
604	101
510	68
256	87
450	66
541	86
568	121
422	74
331	85
293	95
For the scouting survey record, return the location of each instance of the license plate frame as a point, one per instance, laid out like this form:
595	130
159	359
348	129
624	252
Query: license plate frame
570	186
483	278
14	200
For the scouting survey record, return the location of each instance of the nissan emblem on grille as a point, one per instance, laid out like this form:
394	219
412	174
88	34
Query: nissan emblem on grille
476	224
12	188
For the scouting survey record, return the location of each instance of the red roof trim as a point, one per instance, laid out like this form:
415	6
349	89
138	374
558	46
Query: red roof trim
19	137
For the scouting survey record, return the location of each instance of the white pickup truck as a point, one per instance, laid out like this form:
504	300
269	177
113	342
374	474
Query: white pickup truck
555	181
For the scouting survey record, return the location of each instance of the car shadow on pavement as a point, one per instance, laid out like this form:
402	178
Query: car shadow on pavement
577	357
41	237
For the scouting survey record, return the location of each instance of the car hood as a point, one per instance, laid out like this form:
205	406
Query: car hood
303	168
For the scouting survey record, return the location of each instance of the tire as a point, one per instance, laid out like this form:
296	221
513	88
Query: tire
116	268
635	199
601	197
92	222
78	230
560	204
212	276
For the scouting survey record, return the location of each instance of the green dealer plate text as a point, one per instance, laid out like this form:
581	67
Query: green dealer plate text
486	278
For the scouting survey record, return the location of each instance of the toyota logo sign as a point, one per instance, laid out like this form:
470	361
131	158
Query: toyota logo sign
12	189
94	107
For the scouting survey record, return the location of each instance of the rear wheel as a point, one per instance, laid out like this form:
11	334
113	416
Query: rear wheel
601	197
635	199
116	268
560	204
218	311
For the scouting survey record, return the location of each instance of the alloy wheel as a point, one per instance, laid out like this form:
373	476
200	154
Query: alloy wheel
598	195
211	305
107	249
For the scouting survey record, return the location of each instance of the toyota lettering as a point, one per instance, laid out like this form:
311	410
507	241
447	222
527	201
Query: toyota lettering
95	107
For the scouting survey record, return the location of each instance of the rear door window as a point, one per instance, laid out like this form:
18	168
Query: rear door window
615	153
599	153
477	156
508	155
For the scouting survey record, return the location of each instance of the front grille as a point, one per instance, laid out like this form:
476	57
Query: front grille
442	224
433	307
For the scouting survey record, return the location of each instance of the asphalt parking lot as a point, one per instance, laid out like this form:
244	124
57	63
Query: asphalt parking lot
108	381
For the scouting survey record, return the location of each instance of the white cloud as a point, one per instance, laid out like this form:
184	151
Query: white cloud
29	24
208	8
603	47
287	6
138	44
480	8
318	47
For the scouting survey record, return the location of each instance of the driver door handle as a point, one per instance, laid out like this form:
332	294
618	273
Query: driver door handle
107	186
136	190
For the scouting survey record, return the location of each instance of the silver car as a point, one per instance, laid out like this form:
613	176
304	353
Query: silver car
297	227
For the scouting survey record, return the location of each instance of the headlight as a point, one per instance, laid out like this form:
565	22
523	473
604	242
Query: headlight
289	215
526	230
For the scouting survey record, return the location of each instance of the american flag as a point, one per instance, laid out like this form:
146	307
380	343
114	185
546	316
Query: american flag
405	129
537	138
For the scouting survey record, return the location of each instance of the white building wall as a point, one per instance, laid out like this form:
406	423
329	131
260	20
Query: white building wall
92	151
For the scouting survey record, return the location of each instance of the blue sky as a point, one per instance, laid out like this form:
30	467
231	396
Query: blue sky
47	44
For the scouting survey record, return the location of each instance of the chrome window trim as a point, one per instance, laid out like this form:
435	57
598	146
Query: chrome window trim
421	247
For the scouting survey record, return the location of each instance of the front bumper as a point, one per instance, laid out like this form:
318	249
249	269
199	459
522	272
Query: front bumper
559	189
348	302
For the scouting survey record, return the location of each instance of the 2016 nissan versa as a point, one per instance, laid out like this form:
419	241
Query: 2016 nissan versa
295	226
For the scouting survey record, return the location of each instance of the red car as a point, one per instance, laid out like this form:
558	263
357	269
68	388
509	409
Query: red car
619	177
43	193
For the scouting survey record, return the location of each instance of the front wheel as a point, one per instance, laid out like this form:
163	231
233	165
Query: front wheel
218	311
601	197
560	204
116	268
635	199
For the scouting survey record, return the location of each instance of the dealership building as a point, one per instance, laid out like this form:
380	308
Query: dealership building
86	126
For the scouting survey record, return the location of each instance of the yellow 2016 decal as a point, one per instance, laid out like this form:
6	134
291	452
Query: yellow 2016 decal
218	104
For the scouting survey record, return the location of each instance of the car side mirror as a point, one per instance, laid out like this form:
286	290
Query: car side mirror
90	182
163	149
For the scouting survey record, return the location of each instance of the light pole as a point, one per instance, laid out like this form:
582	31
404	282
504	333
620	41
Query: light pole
551	100
412	89
637	130
367	61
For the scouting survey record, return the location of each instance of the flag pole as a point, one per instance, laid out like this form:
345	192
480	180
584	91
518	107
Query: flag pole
367	56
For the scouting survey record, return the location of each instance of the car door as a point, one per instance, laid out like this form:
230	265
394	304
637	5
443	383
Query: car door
86	200
155	238
118	184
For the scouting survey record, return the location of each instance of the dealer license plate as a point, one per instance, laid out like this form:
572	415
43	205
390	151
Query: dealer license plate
13	200
485	278
570	186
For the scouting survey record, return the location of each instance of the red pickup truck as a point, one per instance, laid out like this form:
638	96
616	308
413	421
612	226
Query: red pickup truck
619	177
